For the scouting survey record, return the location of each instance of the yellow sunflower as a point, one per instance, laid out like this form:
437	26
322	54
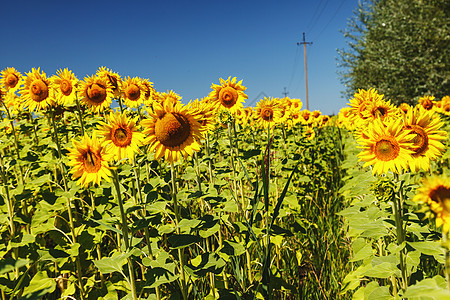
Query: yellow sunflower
206	112
427	102
10	78
114	80
173	130
36	91
96	93
380	109
360	102
424	125
387	147
306	117
229	94
133	92
435	192
89	161
444	106
404	107
295	104
121	136
65	85
268	112
310	134
149	92
169	97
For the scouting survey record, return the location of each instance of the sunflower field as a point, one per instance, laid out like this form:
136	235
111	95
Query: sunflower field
113	190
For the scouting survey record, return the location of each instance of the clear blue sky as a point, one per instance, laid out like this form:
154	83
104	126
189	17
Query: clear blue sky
185	46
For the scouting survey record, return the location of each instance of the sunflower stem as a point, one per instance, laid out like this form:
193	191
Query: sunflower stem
447	257
177	220
197	172
58	145
208	152
80	114
136	171
398	211
124	227
120	104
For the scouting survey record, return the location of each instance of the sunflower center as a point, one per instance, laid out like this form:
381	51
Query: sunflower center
380	112
11	80
420	140
121	137
386	149
96	93
172	129
133	92
267	114
441	195
228	96
427	104
38	90
92	162
65	87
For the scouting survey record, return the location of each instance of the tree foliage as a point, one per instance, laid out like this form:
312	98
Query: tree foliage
399	47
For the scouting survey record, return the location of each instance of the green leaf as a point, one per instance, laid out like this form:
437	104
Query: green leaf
430	288
383	270
380	293
39	286
108	265
205	263
9	264
232	248
178	241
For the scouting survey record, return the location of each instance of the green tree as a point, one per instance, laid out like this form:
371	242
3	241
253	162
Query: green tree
399	47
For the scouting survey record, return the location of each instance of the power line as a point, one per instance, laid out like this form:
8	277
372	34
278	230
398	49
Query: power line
318	17
314	14
331	19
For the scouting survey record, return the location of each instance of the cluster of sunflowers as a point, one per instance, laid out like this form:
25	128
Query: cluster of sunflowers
170	129
402	139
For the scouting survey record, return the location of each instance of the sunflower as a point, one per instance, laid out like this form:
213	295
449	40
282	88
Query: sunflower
306	117
295	104
387	146
360	102
89	161
10	79
310	134
427	102
113	78
206	112
424	125
65	85
36	92
229	94
268	112
169	97
404	107
120	135
444	105
149	92
435	192
133	92
173	130
380	109
96	93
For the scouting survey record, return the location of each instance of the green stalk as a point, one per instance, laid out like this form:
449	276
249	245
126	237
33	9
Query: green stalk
69	208
208	152
447	258
80	115
177	220
136	172
398	211
197	172
124	227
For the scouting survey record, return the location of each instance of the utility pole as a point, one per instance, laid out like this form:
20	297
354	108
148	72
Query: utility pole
285	92
306	68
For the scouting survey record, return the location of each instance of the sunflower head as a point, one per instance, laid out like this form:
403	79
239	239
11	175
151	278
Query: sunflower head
89	161
427	102
229	94
36	92
435	193
172	131
113	79
120	136
65	85
10	78
133	92
268	112
206	112
96	93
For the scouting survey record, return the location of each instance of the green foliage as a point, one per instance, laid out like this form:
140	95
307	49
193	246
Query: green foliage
401	48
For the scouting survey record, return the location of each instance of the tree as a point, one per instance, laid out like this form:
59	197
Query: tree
399	47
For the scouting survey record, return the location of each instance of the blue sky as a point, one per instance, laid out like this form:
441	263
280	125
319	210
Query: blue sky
185	46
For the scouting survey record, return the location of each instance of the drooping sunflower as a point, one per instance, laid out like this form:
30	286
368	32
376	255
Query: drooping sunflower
113	78
424	125
65	85
206	112
169	97
133	92
36	91
172	131
10	78
435	192
121	136
268	112
427	102
404	107
229	94
89	161
380	109
387	146
96	93
149	92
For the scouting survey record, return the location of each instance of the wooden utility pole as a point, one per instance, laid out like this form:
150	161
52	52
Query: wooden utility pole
285	93
306	69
